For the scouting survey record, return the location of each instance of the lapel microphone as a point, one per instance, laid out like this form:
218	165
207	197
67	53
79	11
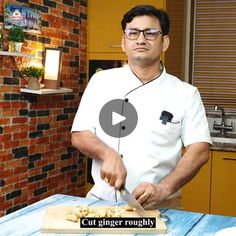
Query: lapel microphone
166	117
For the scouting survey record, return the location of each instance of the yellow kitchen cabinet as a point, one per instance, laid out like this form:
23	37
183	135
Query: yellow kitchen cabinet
223	185
196	193
104	27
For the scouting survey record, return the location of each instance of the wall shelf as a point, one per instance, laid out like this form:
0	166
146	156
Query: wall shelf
16	54
46	91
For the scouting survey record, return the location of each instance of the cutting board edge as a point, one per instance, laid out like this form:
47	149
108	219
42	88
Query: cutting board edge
104	231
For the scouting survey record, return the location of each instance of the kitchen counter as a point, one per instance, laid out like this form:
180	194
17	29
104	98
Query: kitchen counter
28	220
224	146
217	146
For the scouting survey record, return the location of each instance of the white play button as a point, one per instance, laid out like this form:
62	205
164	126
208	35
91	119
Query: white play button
117	118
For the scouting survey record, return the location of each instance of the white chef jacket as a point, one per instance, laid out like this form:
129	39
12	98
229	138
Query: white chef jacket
153	149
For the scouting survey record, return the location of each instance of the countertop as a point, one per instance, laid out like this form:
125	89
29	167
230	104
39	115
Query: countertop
230	147
28	220
219	146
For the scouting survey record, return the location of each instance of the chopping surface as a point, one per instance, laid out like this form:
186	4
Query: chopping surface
55	221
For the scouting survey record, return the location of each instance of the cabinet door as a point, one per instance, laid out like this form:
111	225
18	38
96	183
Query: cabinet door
223	193
196	193
104	27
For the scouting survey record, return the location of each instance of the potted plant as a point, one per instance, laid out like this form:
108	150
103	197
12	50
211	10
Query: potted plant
33	76
16	38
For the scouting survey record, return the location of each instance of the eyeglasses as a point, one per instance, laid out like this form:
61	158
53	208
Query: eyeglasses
149	34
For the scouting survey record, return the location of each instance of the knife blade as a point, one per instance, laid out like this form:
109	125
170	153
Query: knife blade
127	197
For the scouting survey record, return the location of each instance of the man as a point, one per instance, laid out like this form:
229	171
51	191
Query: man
171	115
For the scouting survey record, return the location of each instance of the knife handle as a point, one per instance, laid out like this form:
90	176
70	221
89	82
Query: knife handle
122	189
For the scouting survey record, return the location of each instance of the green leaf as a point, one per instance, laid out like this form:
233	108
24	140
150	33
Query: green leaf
32	71
16	34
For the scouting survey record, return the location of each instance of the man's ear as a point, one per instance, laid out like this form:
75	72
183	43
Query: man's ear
165	43
123	43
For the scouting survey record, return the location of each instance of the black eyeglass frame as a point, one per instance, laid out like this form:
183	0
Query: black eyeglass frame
145	31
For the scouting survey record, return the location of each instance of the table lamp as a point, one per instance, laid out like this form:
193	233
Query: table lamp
52	65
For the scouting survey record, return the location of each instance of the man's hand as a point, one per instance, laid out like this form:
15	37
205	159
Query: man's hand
113	170
195	156
149	194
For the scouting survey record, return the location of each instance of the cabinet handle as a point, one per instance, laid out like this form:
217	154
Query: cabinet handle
229	158
115	46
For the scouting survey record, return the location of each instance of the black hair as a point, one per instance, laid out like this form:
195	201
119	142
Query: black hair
147	10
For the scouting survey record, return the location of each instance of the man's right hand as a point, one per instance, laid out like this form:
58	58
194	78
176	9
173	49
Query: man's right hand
113	170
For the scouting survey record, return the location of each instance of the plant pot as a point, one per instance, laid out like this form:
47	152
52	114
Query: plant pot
33	83
14	46
18	46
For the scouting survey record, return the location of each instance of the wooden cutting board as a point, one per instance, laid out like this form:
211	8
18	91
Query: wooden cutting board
55	222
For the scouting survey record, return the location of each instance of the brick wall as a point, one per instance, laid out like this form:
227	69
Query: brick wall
36	156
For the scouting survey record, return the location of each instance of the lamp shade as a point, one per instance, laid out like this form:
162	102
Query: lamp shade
52	65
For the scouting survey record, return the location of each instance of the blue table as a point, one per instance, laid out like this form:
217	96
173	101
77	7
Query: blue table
28	220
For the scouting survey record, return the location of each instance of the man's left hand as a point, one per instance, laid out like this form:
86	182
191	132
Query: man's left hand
149	194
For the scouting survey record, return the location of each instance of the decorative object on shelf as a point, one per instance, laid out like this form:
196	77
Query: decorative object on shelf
33	76
16	38
52	65
29	19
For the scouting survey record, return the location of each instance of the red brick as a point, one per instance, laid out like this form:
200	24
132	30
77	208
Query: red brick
18	120
11	144
23	142
10	112
7	204
5	137
4	105
20	169
18	104
4	121
20	135
32	187
6	173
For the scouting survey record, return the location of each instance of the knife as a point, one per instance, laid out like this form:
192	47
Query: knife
127	197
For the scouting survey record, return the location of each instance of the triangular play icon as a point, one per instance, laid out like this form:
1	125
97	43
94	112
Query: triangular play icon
117	118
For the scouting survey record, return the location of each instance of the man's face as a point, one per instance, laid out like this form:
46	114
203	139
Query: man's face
142	50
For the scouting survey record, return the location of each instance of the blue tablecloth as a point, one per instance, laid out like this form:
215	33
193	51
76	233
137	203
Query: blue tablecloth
28	220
